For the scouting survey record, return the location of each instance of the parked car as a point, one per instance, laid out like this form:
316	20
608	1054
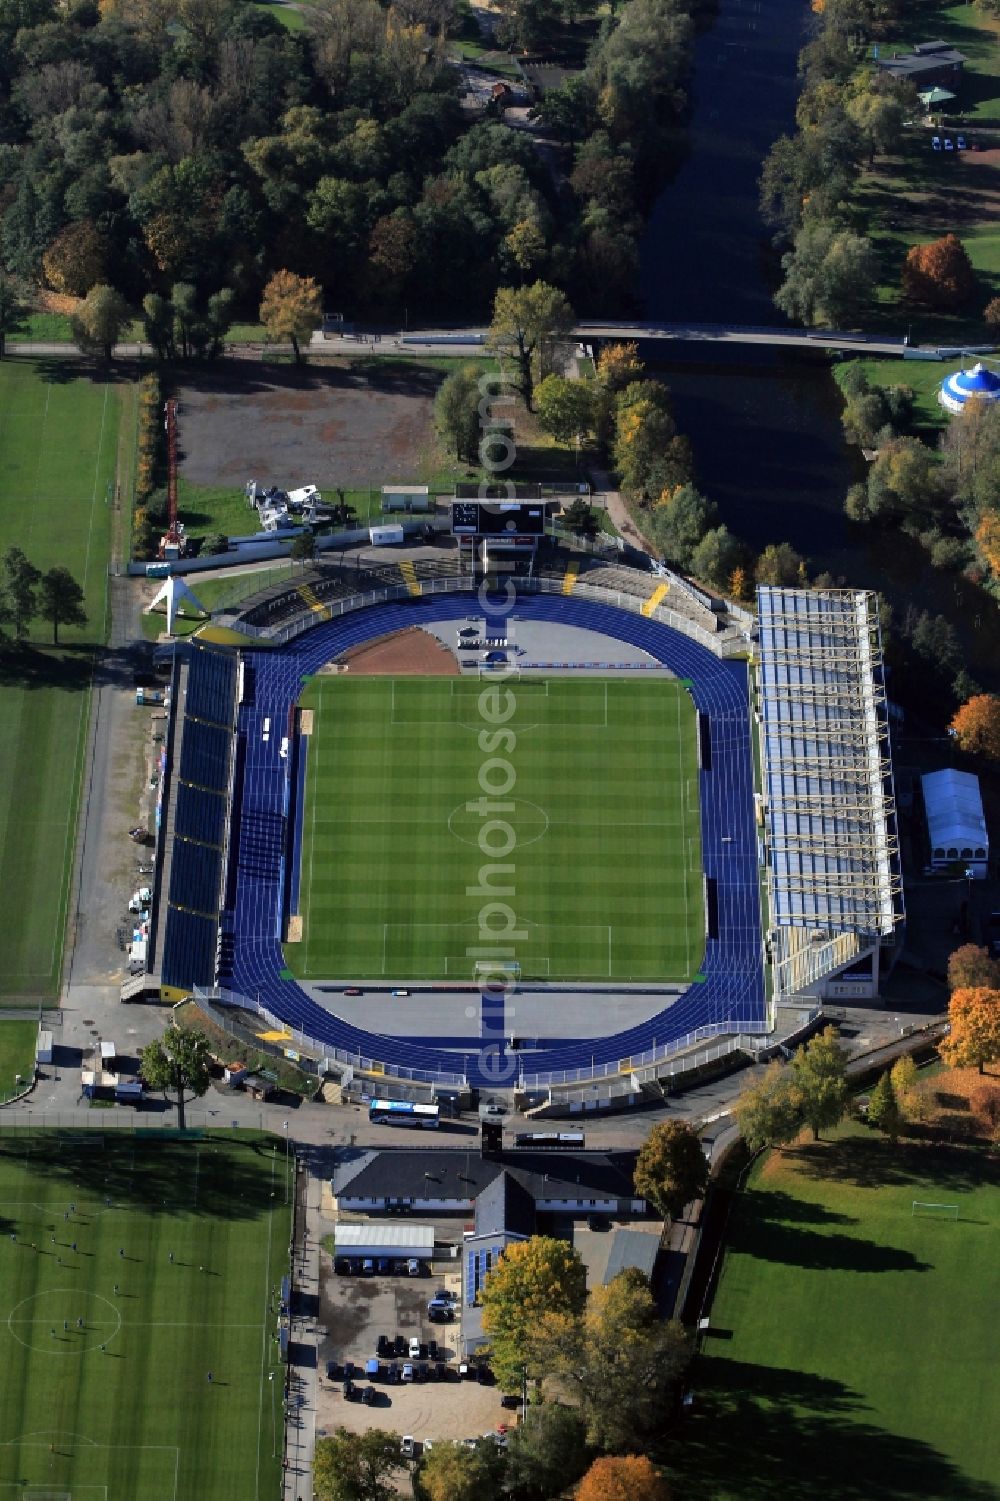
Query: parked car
408	1371
414	1268
342	1266
353	990
439	1315
960	143
368	1395
441	1371
414	1348
407	1446
935	143
466	1372
484	1375
949	144
399	1267
383	1345
334	1370
598	1222
400	1345
400	992
368	1267
383	1266
432	1349
349	1389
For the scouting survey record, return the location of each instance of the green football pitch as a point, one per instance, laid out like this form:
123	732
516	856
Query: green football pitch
597	830
105	1357
58	444
852	1349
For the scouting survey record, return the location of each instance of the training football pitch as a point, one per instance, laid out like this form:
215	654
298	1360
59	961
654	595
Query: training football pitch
105	1356
593	820
852	1349
58	444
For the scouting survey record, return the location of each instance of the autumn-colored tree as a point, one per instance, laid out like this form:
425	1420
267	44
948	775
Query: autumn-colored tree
75	260
991	314
100	321
939	275
767	1112
356	1466
536	1277
976	726
671	1169
819	1072
778	564
451	1472
525	245
984	1102
618	365
290	308
738	584
974	1036
988	539
632	1478
971	966
913	1104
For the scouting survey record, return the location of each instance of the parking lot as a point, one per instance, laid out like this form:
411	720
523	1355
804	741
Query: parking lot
356	1311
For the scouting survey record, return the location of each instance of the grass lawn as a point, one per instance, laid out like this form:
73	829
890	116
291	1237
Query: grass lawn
18	1041
852	1351
924	378
607	859
121	1408
59	445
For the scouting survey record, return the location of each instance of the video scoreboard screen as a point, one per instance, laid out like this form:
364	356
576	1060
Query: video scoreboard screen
497	518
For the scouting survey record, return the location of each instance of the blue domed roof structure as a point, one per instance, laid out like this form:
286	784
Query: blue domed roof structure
977	384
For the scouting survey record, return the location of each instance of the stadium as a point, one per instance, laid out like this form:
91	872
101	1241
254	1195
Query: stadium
568	829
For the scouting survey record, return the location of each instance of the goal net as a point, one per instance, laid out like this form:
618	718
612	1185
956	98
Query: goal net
934	1211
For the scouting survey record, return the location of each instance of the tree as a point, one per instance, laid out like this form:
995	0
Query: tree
984	1102
453	1473
939	275
680	520
578	517
527	322
290	308
456	413
821	1086
215	544
547	1452
60	601
991	315
976	726
974	1022
971	966
158	324
533	1278
620	1361
633	1478
670	1169
988	540
565	407
767	1112
830	275
356	1466
778	564
912	1102
618	365
19	580
716	556
99	321
303	549
178	1061
883	1109
75	260
13	309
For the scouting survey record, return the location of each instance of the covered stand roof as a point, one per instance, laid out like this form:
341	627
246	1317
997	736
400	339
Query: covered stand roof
955	820
833	853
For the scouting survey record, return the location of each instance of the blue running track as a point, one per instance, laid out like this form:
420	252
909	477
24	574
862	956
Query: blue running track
732	991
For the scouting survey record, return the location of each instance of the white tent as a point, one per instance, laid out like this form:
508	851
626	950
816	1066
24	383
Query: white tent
955	821
173	591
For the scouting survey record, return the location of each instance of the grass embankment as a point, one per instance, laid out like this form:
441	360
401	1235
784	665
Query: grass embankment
114	1312
18	1041
59	453
851	1351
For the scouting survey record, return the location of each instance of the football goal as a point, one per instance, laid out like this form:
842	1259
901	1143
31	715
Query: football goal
934	1211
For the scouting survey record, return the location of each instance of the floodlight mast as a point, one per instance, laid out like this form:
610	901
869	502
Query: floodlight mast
172	541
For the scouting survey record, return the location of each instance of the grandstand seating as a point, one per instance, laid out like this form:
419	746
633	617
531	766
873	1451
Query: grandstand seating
200	816
205	751
211	685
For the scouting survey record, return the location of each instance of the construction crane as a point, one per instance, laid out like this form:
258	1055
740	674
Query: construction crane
172	543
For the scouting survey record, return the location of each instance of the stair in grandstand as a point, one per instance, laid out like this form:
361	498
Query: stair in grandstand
262	843
409	573
316	605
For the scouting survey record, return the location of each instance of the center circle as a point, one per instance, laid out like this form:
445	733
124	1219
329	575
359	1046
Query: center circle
529	822
63	1321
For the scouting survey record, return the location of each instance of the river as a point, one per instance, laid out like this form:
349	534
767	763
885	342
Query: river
765	426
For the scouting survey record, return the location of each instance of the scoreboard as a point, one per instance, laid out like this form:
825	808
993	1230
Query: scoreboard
497	518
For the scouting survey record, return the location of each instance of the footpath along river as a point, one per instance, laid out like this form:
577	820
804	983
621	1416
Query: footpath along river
764	425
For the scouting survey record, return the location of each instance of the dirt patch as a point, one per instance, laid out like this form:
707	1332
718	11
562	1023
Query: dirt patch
328	426
409	653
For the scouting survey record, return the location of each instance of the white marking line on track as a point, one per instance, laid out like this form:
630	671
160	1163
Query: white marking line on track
263	1328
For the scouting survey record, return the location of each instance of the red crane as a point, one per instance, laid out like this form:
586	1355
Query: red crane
172	541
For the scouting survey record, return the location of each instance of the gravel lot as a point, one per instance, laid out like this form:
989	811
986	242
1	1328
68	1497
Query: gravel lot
355	1311
324	425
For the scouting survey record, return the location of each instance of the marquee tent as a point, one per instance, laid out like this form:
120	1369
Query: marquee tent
955	821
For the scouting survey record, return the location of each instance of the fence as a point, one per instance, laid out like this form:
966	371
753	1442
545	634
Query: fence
650	1064
723	646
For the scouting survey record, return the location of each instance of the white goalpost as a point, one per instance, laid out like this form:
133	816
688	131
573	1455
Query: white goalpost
924	1210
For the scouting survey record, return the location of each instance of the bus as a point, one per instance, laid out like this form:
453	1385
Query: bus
550	1139
404	1113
